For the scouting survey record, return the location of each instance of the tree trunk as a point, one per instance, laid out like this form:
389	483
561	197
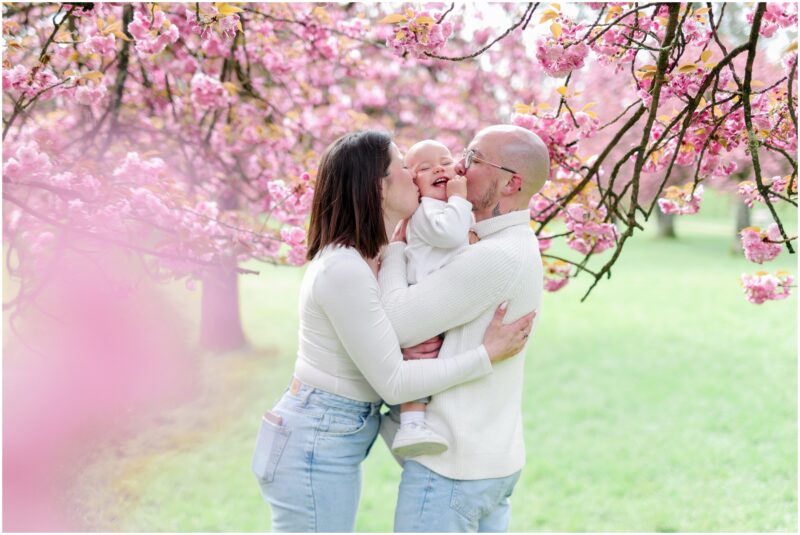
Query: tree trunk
220	324
741	214
666	224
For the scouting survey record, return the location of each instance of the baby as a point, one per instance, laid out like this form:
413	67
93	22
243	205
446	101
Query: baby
437	230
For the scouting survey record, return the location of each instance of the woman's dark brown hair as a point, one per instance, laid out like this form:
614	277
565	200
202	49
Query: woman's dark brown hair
347	200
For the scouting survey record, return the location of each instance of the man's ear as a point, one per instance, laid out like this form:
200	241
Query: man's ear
513	186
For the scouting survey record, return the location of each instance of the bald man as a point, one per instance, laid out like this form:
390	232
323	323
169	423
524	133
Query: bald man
467	488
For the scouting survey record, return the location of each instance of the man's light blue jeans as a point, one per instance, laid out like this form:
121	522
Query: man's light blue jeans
429	502
308	458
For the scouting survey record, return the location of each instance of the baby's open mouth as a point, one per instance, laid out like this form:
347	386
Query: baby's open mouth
440	181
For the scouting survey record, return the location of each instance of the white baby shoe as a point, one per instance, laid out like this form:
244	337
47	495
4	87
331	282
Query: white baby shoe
390	423
416	439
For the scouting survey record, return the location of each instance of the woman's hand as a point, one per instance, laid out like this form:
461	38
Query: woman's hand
399	233
504	341
429	349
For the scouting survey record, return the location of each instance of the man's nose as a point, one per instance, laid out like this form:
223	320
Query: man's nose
459	169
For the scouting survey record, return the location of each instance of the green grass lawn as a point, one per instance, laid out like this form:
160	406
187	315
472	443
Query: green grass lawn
665	402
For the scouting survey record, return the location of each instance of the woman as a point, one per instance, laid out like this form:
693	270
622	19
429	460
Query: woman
311	445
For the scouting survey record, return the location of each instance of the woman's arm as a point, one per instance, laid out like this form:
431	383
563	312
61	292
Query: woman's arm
453	295
348	293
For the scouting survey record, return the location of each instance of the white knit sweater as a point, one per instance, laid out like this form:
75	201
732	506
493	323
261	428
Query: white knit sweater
348	347
481	419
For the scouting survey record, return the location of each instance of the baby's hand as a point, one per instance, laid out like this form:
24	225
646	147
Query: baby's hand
399	234
457	186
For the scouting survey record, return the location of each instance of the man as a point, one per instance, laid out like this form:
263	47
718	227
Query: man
467	487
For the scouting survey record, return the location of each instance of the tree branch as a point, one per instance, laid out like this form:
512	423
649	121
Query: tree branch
55	31
661	68
752	141
528	11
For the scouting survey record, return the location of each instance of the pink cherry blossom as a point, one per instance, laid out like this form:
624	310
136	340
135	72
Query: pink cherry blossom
28	162
215	46
80	10
542	207
681	200
714	166
555	131
418	38
545	240
788	61
777	15
481	36
587	124
15	77
697	30
134	169
105	45
90	94
208	92
757	246
32	82
748	189
590	234
150	36
293	236
229	26
560	55
591	237
297	255
763	286
556	274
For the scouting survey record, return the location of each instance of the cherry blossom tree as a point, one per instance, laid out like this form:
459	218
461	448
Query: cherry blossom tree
185	136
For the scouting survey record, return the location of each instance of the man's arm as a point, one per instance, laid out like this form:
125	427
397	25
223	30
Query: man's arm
459	292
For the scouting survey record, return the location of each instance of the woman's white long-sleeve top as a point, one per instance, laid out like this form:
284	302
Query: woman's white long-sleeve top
347	345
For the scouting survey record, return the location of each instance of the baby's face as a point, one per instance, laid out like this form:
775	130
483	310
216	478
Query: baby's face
432	166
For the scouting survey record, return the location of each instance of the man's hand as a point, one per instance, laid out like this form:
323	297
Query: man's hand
429	349
457	186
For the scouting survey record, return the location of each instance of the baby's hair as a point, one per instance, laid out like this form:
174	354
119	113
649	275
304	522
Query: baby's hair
420	144
426	142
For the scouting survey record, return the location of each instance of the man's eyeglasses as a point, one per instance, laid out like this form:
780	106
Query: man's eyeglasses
469	157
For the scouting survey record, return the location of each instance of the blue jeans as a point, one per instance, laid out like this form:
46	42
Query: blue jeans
308	459
428	502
